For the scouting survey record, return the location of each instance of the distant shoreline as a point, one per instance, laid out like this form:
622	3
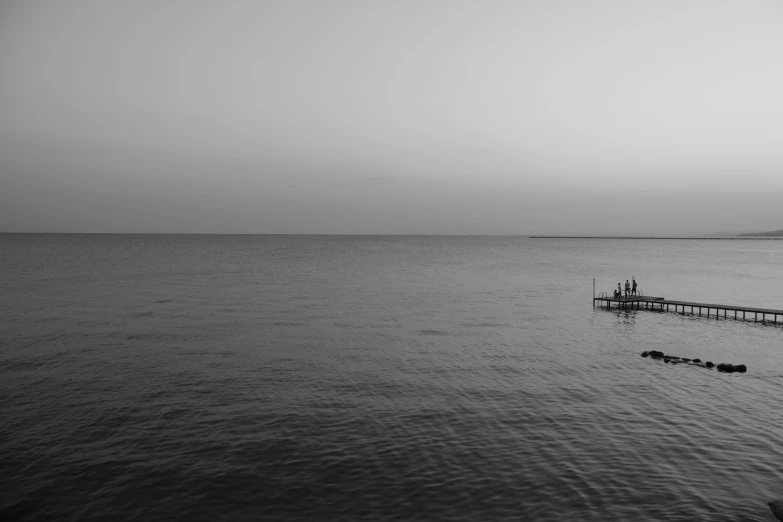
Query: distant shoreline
766	238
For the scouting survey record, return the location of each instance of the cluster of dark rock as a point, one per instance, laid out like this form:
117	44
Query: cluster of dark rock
722	367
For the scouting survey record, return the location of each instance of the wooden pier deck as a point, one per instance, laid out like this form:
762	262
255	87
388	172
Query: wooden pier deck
660	303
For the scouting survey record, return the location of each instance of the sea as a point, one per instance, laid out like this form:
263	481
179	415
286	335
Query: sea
384	378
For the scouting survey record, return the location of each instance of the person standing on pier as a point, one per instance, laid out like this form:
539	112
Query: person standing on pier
619	290
627	288
633	286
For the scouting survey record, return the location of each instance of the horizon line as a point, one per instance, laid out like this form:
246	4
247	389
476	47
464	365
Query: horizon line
529	236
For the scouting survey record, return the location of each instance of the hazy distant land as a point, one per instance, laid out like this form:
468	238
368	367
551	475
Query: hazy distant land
774	233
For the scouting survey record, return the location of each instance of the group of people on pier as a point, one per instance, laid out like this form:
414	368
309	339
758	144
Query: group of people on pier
630	289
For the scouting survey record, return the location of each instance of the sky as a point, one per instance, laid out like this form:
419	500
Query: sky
551	117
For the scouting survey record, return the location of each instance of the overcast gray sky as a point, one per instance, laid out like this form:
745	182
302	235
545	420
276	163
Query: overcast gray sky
366	116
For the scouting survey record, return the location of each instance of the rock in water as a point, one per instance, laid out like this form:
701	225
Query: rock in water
731	368
777	508
673	359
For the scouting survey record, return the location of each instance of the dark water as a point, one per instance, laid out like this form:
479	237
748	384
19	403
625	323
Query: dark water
383	378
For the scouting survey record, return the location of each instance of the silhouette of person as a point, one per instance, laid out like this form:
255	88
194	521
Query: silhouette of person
633	287
619	290
627	288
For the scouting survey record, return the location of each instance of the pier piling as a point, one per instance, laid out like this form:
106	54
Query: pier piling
681	307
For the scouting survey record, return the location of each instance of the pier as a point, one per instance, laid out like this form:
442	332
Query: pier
662	304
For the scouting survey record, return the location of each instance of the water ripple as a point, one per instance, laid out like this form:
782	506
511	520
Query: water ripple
378	379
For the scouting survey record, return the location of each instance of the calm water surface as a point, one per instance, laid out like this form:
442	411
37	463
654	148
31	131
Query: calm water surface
383	378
